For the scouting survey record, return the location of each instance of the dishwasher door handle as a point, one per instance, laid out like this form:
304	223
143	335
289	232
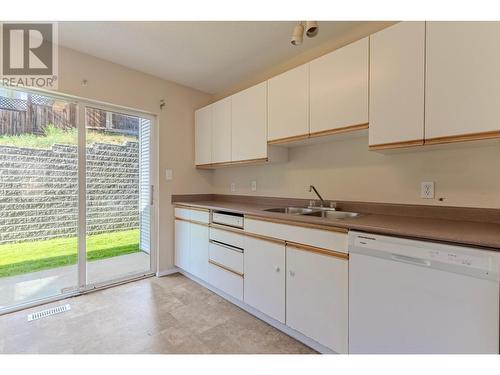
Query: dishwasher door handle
411	260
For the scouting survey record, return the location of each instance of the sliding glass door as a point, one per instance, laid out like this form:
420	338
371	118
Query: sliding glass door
118	195
76	208
38	196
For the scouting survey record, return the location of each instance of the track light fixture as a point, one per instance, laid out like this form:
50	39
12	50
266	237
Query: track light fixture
311	30
298	34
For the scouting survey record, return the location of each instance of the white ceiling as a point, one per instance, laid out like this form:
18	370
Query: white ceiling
208	56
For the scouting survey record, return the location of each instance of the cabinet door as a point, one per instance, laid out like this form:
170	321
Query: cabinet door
339	88
288	104
249	123
203	135
316	297
462	93
397	85
182	244
264	286
221	131
199	251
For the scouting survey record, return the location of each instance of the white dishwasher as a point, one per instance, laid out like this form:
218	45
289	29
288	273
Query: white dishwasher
409	296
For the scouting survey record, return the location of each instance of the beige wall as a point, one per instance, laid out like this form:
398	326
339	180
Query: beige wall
118	85
465	175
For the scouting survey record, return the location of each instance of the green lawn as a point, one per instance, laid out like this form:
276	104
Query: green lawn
25	257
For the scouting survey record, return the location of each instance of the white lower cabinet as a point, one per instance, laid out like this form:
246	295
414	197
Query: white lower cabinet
265	277
182	244
198	252
298	284
317	297
227	256
191	241
227	281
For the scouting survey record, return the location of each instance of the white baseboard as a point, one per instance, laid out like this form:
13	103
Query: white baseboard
276	324
167	272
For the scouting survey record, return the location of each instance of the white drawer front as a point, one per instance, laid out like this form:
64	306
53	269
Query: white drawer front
231	220
308	236
226	281
229	258
183	213
201	216
227	237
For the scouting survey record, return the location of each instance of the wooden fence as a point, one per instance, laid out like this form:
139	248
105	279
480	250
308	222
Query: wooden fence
97	119
30	117
36	117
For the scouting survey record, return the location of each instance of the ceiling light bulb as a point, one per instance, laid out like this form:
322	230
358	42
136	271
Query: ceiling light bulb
312	28
298	34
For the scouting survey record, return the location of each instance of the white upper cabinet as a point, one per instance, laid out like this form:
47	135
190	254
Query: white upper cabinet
288	104
462	81
221	131
249	124
339	88
203	135
397	57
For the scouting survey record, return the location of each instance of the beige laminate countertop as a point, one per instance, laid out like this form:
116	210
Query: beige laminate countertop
453	231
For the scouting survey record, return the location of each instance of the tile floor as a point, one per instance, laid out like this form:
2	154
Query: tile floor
171	314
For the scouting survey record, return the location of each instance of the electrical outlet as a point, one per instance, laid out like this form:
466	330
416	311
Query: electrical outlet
233	187
254	185
168	174
427	190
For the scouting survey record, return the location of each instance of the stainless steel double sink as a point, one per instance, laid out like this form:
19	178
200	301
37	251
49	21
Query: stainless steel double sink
328	213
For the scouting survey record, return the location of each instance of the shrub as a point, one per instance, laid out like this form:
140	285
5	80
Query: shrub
52	135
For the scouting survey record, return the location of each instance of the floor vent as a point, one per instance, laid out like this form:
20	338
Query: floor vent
48	312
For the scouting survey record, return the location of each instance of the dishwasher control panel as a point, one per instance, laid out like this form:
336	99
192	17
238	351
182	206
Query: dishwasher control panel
426	253
467	260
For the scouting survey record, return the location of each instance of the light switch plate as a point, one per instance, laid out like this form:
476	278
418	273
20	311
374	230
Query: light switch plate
233	187
427	190
254	185
168	175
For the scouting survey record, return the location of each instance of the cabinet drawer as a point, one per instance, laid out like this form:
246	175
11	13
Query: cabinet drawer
325	239
183	213
230	238
201	216
225	256
226	281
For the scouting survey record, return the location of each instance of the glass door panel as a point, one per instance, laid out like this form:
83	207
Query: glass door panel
117	194
38	197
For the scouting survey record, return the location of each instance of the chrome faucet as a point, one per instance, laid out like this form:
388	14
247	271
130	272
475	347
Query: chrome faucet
311	188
